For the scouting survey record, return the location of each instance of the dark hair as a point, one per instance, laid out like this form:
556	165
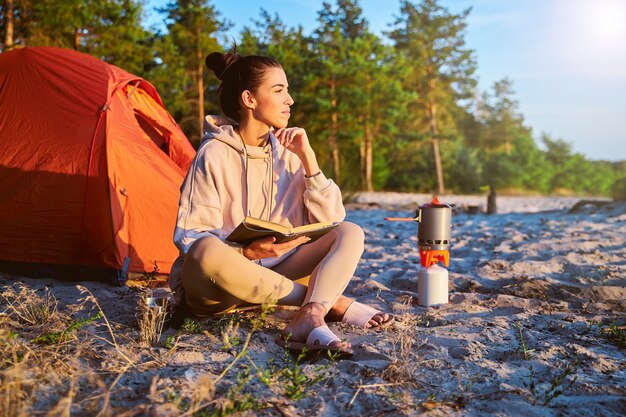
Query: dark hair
238	73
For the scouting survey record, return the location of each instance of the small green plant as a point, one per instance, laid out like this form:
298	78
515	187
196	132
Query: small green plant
266	375
297	382
57	337
522	342
191	326
230	336
175	398
6	336
236	400
455	399
615	334
170	341
558	384
260	322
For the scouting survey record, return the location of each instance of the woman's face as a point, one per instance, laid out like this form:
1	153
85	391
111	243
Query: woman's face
273	100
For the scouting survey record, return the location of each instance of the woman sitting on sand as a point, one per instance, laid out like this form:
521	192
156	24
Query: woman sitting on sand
253	164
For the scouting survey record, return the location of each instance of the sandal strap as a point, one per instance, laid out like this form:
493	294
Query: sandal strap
322	336
359	314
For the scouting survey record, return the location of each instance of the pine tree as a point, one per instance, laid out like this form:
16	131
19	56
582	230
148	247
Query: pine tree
328	75
376	102
432	40
7	22
109	30
192	30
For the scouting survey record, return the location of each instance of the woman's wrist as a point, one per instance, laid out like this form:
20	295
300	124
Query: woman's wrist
309	162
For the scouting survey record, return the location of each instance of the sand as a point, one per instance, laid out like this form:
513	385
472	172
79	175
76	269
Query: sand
534	291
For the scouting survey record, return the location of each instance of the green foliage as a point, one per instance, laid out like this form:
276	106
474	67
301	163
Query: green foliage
432	40
522	341
372	105
109	30
559	382
192	30
615	334
462	167
573	172
297	383
618	191
191	326
238	400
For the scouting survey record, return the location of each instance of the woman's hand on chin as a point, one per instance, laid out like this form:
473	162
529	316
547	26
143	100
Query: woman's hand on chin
294	139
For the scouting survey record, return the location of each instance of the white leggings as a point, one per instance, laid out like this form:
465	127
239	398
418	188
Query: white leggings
215	277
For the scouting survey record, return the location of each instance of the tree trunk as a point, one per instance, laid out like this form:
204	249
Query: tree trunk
369	158
76	39
431	110
367	130
507	145
8	25
507	139
362	169
434	137
200	83
332	139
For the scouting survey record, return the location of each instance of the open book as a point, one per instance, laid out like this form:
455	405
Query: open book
252	228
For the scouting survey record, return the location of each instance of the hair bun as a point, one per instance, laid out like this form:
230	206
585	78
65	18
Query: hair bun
219	63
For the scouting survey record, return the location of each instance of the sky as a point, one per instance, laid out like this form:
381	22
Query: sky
566	58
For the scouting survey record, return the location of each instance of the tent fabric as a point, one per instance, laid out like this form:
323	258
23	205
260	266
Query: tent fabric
90	163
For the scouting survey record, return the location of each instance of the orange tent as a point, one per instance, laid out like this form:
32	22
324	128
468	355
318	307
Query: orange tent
90	164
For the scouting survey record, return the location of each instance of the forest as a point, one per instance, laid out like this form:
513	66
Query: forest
397	112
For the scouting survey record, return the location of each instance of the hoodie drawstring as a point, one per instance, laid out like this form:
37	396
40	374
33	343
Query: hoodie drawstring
245	171
270	176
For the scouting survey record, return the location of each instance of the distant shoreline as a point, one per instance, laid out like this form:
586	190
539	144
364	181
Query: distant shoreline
506	204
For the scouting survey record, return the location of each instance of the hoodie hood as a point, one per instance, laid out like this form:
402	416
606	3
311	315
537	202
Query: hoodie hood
222	128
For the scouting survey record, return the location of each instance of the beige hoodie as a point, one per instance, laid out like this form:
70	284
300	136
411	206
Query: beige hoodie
220	188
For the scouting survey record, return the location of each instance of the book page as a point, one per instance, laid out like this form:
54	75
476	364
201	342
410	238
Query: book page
253	222
310	227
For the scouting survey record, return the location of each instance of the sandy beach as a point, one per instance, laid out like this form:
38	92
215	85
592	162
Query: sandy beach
536	326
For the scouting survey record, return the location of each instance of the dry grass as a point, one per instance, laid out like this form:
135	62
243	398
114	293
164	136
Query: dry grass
29	307
152	314
13	395
51	356
405	362
219	367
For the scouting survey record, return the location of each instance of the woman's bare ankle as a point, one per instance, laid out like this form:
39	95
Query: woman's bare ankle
340	307
313	309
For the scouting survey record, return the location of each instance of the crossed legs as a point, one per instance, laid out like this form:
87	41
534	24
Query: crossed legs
215	277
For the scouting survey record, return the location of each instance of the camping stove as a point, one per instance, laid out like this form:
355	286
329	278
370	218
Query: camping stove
433	232
433	239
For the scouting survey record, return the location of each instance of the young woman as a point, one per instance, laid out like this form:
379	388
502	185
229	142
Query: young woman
252	164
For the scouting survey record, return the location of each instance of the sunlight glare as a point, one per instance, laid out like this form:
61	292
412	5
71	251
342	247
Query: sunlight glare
607	20
589	36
